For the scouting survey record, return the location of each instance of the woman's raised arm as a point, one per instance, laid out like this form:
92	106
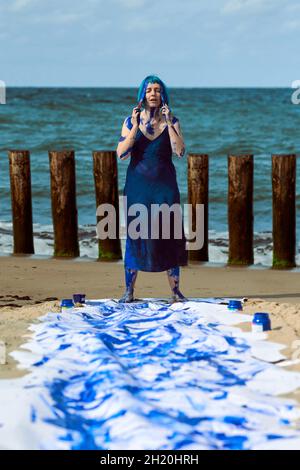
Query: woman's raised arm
176	138
128	134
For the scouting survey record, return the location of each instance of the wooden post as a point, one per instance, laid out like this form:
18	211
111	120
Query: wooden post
63	199
198	194
20	182
284	210
240	209
106	190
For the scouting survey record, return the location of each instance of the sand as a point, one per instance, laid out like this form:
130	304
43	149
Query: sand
31	286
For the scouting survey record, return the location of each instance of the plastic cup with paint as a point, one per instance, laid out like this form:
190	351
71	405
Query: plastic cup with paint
66	304
235	305
261	322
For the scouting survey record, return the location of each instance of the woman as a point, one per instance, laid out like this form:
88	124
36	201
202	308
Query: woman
149	137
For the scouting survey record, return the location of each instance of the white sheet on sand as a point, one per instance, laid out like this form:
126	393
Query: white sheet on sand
149	375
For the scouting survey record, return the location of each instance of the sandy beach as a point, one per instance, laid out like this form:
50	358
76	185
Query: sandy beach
31	286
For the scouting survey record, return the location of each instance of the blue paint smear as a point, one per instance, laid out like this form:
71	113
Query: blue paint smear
33	414
43	361
128	122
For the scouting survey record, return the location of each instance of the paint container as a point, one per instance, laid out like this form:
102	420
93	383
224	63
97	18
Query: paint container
261	322
66	304
235	305
79	300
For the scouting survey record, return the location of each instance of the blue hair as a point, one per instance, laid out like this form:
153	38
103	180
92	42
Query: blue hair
153	79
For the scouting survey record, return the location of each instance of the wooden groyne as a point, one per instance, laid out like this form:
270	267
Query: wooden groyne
20	188
63	203
240	209
105	171
284	210
198	189
107	192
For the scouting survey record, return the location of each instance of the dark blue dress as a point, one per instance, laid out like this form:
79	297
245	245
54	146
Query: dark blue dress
151	179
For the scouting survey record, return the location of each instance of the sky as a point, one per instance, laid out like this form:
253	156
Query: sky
187	43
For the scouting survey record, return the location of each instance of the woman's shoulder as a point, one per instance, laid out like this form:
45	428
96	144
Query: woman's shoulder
128	122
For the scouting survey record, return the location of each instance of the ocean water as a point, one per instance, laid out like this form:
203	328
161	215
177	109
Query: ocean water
261	121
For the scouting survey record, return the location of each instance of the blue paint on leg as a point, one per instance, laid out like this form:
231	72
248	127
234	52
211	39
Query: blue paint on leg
130	278
173	275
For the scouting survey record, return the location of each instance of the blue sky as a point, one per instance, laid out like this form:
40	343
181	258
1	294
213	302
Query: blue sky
118	42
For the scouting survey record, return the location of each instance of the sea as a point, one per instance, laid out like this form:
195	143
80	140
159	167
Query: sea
216	121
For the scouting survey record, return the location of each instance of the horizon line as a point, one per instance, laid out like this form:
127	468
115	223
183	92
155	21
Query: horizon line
135	87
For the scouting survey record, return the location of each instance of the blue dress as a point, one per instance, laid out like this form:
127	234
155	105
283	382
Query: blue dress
151	179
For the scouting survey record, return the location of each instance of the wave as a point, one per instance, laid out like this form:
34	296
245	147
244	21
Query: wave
88	243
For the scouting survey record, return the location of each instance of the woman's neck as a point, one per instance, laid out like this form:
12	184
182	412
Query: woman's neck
152	114
150	119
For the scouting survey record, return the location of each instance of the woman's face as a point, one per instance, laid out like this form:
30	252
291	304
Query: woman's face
152	97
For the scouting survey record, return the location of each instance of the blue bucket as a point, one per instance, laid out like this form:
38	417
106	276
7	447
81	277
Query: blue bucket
235	305
66	303
261	322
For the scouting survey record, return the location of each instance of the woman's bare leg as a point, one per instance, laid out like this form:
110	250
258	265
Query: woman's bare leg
173	278
130	278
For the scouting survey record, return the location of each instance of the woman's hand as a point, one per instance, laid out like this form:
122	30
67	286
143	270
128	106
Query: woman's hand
167	113
135	116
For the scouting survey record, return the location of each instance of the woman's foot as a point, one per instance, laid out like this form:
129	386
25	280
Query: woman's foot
173	277
127	297
178	297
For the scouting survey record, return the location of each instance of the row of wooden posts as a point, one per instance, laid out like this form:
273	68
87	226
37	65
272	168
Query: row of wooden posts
240	204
